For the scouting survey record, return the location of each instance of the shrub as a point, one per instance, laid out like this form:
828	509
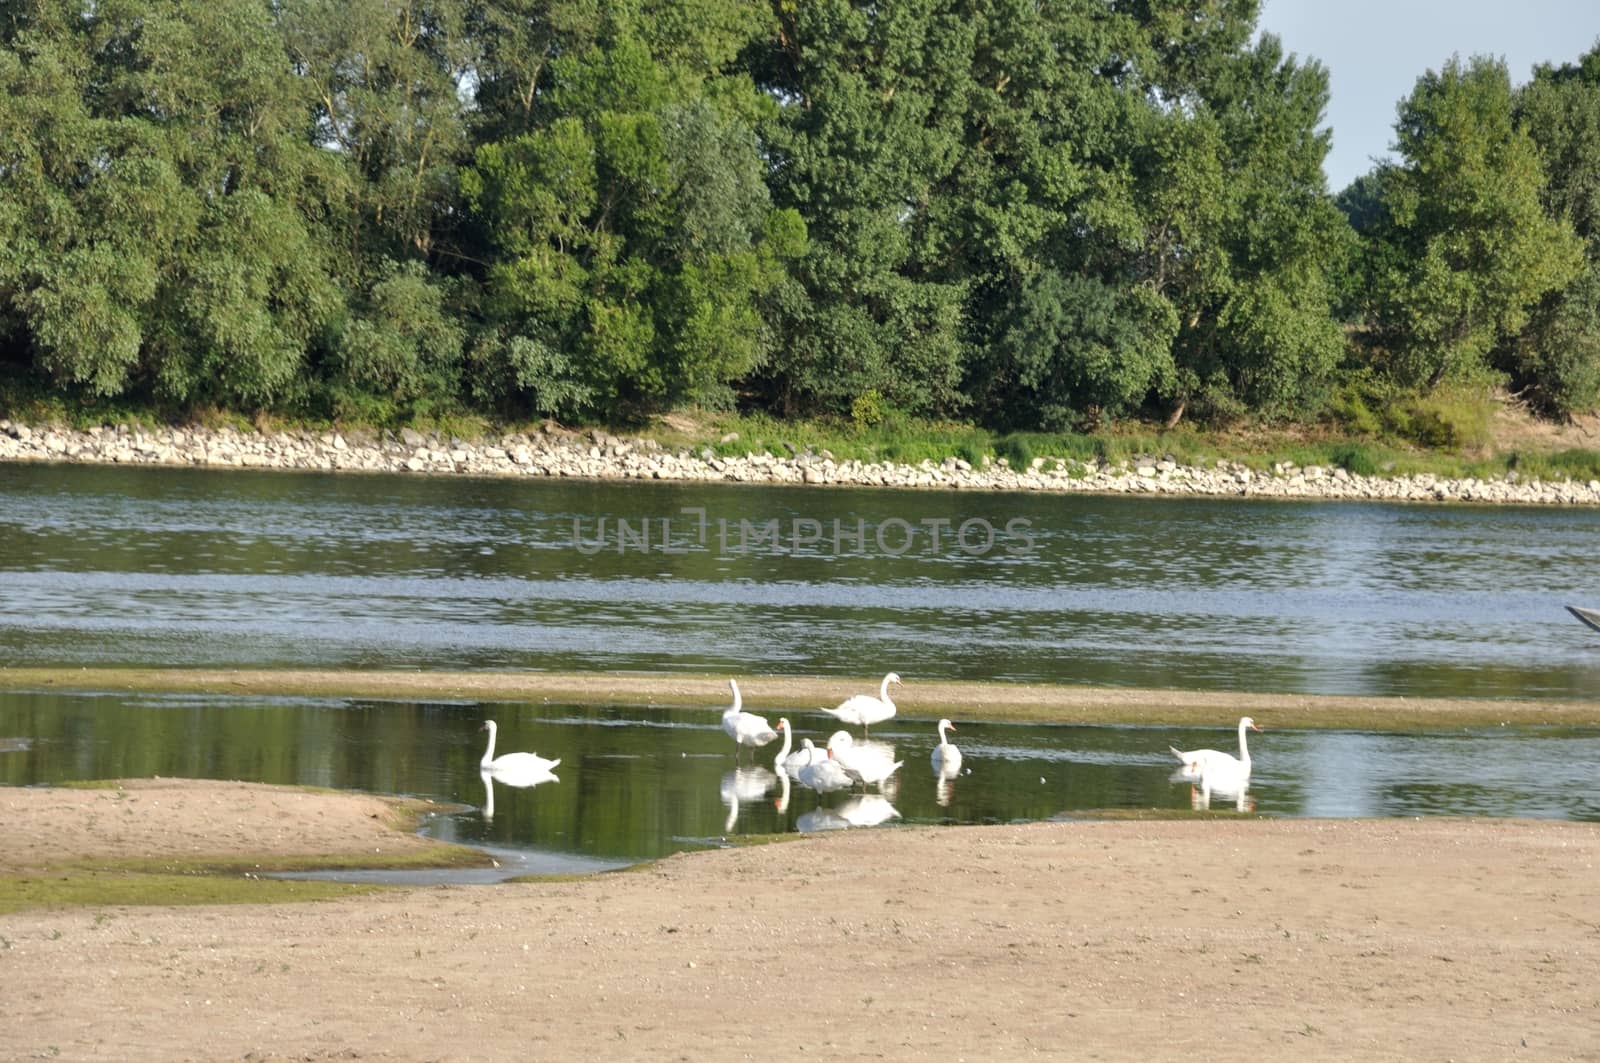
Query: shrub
1452	419
1355	458
868	410
1016	449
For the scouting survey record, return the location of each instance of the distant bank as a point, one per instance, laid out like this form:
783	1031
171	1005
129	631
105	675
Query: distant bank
598	455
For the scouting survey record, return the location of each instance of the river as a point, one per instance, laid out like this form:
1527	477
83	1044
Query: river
183	567
176	567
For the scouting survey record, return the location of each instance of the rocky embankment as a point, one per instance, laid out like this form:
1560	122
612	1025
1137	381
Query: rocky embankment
598	455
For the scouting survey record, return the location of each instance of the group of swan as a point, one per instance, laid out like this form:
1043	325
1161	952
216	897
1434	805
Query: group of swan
843	763
749	730
1216	771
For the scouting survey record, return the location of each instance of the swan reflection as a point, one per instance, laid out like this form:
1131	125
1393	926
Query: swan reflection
867	810
743	785
522	779
944	783
820	819
1200	797
862	810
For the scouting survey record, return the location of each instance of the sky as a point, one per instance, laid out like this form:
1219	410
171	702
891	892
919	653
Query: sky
1374	51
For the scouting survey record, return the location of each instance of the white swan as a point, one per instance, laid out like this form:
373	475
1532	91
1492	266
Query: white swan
745	728
513	765
787	763
869	763
1196	762
946	758
865	710
822	773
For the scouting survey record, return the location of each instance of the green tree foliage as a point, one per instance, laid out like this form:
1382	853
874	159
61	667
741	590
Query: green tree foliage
629	225
1473	249
403	346
1260	330
385	84
872	100
1556	359
1039	215
1041	218
158	214
1080	349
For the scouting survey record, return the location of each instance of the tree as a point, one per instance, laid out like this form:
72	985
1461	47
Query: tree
401	345
1556	359
1282	237
629	227
158	219
386	83
1138	160
1078	350
1474	248
872	99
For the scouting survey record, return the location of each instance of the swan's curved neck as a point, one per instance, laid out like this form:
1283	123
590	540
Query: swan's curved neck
883	689
783	753
1244	748
488	754
738	702
943	741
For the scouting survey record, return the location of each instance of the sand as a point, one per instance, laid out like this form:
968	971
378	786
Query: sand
1217	938
1041	702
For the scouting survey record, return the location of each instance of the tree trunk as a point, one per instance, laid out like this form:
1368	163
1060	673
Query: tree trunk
1177	413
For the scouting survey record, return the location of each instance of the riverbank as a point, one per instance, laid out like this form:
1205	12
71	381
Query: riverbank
1015	702
1126	940
599	455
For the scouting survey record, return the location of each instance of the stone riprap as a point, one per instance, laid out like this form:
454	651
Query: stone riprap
599	455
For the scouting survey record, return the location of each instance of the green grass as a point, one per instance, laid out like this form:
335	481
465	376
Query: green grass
111	887
234	880
1574	464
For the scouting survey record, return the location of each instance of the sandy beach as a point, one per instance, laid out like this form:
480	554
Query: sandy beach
1213	938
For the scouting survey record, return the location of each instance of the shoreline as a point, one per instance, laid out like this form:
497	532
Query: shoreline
598	455
1000	702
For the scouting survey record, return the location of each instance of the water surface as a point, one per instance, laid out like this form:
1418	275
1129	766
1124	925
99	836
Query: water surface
186	567
636	783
